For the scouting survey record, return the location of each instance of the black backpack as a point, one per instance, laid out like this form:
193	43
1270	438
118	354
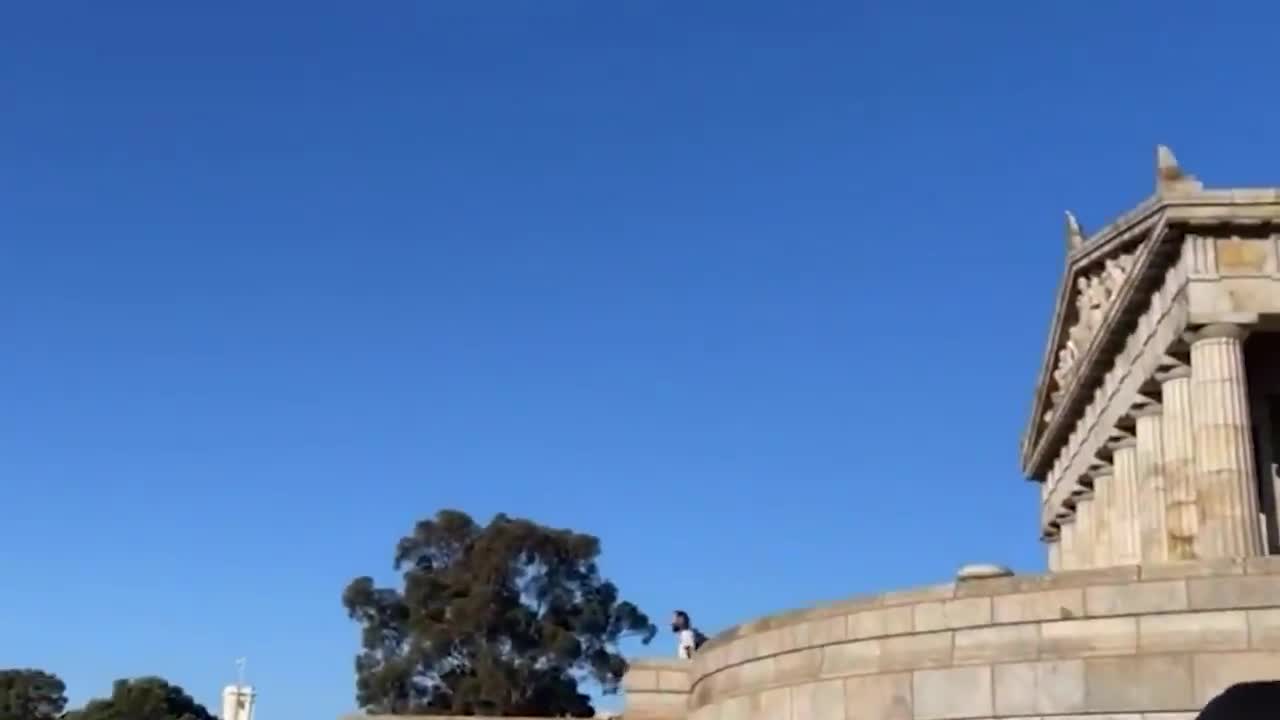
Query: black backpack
698	639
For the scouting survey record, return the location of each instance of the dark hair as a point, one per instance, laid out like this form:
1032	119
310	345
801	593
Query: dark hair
682	618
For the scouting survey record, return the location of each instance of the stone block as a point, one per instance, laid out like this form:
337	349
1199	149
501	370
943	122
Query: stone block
884	621
919	595
1036	606
818	701
740	650
709	660
656	705
951	614
1139	683
1240	256
1264	629
1014	688
757	673
964	692
910	652
1051	687
735	708
727	681
1186	632
702	663
1094	576
710	712
1265	565
772	704
813	633
673	681
1136	598
640	679
769	642
879	697
1170	716
1227	593
798	666
1192	568
1215	672
852	658
851	605
703	693
1103	716
997	643
1088	638
708	687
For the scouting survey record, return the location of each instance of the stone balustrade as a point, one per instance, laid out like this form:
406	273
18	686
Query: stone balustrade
1153	642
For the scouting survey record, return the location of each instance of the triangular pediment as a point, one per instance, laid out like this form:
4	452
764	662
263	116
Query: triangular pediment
1099	272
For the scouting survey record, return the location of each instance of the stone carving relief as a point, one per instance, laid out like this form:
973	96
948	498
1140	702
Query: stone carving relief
1093	297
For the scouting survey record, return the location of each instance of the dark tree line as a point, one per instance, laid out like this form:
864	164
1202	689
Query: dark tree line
27	694
508	618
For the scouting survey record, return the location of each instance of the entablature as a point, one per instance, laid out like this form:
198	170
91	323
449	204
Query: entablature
1107	289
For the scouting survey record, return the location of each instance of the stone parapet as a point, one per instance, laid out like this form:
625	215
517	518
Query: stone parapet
657	689
1135	641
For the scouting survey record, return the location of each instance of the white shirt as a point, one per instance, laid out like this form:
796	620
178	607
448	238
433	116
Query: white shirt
687	644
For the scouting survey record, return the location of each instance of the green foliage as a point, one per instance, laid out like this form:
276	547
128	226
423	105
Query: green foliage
31	695
502	619
147	698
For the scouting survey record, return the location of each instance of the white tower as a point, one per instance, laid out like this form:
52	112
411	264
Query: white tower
237	700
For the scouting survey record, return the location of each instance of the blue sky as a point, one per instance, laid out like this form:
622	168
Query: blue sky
754	292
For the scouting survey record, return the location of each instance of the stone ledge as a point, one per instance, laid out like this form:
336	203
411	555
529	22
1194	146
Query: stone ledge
1164	686
1056	641
658	675
1117	612
791	629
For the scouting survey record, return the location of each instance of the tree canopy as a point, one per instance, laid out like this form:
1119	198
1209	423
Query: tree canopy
507	618
31	695
147	698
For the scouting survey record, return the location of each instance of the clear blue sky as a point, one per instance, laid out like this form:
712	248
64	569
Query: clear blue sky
755	292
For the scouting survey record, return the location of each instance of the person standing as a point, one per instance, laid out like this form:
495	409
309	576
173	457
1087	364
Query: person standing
688	639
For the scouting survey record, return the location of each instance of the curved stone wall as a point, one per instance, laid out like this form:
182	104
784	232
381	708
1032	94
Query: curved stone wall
1122	643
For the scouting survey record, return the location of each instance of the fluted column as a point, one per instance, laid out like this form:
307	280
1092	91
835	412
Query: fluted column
1225	476
1125	541
1102	513
1067	544
1177	439
1085	540
1154	545
1055	553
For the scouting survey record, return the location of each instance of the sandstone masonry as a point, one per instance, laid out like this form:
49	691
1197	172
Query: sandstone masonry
1154	437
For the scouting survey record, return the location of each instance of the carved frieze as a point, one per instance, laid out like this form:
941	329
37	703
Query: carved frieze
1094	294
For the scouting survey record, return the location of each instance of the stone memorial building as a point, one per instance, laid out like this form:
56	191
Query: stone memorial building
1154	438
1156	418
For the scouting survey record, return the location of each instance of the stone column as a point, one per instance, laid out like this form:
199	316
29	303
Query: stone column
1054	547
1067	544
1085	541
1154	545
1225	476
1102	513
1125	541
1177	440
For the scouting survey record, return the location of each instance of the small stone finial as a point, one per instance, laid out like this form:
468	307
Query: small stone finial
982	571
1167	164
1075	236
1169	174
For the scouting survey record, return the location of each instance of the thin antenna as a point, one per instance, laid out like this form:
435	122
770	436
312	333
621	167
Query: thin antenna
240	663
